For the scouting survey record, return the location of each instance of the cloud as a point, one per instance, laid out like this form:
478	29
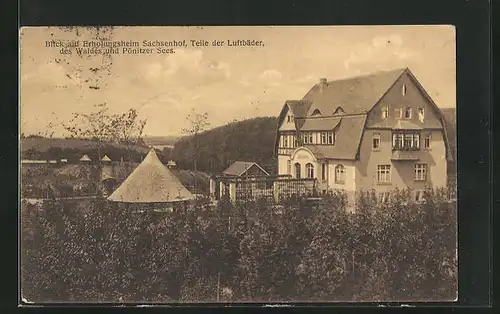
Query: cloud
51	73
270	76
186	68
382	50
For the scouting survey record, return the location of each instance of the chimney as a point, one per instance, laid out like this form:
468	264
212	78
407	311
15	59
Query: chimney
322	83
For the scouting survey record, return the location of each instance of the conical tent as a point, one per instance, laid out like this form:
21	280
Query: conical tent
105	158
151	182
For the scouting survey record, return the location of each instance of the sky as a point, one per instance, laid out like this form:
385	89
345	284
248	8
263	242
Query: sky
228	83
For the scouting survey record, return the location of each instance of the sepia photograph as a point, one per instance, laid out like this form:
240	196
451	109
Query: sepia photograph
238	164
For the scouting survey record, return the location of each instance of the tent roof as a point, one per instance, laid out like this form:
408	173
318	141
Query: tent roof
151	182
85	158
105	158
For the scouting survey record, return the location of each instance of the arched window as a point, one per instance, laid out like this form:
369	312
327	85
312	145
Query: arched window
339	174
310	171
316	112
297	170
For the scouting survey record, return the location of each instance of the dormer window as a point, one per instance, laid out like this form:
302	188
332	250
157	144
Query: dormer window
385	112
316	112
403	90
339	110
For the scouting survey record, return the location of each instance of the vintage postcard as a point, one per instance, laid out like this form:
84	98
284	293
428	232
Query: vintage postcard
238	164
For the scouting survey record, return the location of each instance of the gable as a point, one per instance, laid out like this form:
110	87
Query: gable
254	170
239	168
405	94
287	120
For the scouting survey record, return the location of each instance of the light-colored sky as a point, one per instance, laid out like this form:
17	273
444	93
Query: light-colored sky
228	83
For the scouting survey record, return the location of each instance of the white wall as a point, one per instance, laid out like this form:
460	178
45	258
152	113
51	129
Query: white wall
350	175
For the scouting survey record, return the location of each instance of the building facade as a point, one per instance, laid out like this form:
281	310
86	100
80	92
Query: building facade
379	131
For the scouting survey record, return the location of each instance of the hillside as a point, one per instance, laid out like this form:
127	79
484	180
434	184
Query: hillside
43	144
73	149
248	140
160	140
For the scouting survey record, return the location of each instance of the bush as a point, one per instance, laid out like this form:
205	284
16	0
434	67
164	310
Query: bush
108	253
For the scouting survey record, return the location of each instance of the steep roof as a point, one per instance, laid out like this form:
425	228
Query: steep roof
299	107
240	167
85	158
320	124
355	95
151	182
105	158
348	141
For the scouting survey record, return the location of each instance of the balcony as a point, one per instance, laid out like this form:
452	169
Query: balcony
405	155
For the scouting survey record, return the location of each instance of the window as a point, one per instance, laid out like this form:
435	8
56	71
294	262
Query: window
285	141
405	141
339	110
331	138
421	114
295	141
316	112
403	90
297	170
398	112
408	140
384	173
310	138
376	141
408	113
383	197
305	138
416	141
339	174
419	196
323	137
385	112
323	171
427	141
420	172
397	140
288	118
289	167
310	171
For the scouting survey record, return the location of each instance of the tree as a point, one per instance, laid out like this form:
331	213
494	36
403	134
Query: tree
95	126
197	123
127	129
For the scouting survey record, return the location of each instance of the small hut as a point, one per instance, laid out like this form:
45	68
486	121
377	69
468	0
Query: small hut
85	159
153	184
171	164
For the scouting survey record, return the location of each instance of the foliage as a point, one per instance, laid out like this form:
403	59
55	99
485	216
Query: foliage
248	140
101	128
127	129
253	252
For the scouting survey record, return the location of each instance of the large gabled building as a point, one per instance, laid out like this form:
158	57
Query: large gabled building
379	131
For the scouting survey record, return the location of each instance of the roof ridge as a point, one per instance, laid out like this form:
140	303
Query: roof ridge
367	75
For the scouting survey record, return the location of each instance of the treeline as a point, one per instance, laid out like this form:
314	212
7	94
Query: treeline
217	149
251	252
73	155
